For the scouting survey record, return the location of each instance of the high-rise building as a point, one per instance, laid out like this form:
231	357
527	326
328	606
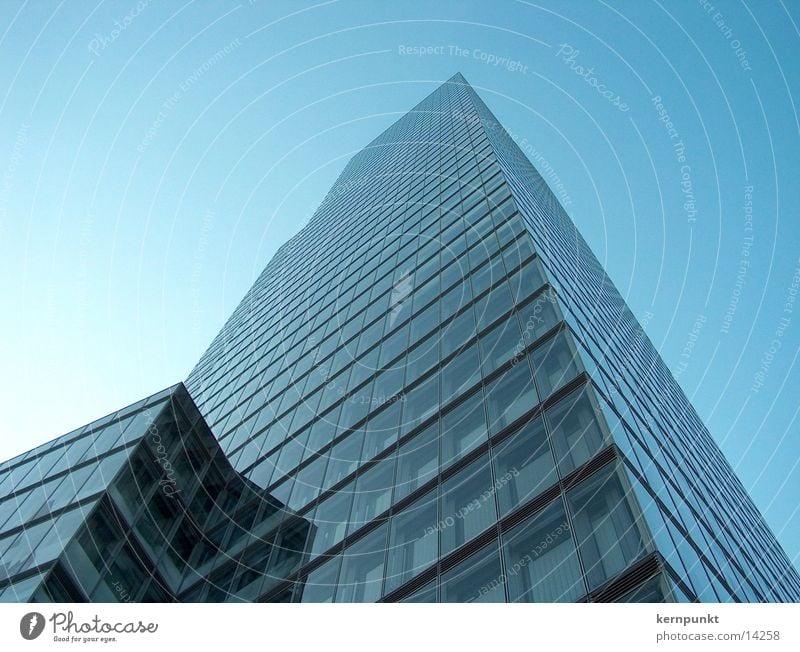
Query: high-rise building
433	392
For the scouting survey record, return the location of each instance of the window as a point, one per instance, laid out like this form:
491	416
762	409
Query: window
420	403
105	471
373	493
413	541
608	535
290	544
368	337
541	562
352	376
457	332
467	505
125	564
343	458
477	579
461	373
656	589
427	594
575	431
330	520
308	484
555	363
417	461
61	492
463	429
426	293
510	396
320	584
523	466
539	316
518	251
425	322
361	576
388	383
493	305
59	535
381	430
500	344
394	344
484	277
262	473
422	358
292	452
323	432
457	297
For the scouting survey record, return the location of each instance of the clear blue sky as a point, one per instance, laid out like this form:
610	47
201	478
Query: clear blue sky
149	168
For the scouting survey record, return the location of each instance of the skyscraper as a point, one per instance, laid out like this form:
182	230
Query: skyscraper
433	392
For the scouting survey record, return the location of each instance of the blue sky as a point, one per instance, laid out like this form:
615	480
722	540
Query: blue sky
154	155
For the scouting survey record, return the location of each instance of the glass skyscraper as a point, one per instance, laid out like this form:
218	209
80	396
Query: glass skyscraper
433	392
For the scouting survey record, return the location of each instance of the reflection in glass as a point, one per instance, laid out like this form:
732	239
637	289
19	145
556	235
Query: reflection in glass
555	363
463	429
575	430
541	561
608	536
476	579
523	466
362	568
413	541
468	505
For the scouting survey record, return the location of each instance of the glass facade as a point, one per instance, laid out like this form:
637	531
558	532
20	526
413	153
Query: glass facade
431	393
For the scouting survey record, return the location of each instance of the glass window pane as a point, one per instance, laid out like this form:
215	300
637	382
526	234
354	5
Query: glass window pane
510	396
463	429
555	363
608	536
500	344
330	520
427	594
320	585
461	373
455	298
389	382
523	466
420	403
381	430
344	458
539	316
656	589
413	541
361	577
518	251
574	430
493	305
394	345
476	579
308	484
417	461
104	473
60	535
373	493
456	332
467	505
22	590
288	553
19	548
541	561
422	358
262	473
292	452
